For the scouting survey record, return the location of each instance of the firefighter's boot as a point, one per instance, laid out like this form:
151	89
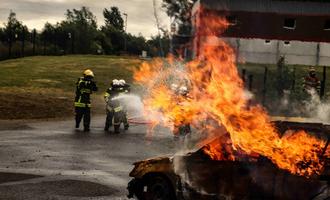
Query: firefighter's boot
125	121
126	127
117	128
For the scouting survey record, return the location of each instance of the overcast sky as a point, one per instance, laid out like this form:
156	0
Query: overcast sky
34	13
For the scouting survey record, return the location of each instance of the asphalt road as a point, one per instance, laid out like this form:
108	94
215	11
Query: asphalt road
51	160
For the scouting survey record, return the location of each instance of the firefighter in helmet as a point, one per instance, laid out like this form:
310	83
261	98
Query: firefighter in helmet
311	82
174	88
85	86
182	128
114	109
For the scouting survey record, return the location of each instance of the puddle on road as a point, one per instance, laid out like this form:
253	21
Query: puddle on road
13	177
5	126
49	189
70	188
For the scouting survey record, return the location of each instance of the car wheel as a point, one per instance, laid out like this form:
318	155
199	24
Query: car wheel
158	188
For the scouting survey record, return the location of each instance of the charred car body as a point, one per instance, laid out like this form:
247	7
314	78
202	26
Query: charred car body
196	176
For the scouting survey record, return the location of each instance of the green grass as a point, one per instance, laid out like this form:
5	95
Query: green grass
61	72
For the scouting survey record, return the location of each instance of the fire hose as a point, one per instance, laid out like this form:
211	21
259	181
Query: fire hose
136	120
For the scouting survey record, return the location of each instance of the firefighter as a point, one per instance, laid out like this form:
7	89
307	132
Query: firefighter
182	128
125	88
311	82
117	88
85	86
174	88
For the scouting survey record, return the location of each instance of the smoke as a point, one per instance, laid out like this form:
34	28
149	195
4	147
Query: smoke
316	109
285	99
248	95
132	103
309	105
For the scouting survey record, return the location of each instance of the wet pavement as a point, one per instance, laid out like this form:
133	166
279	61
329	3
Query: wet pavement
51	160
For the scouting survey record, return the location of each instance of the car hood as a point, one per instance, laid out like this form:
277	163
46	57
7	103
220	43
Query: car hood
162	164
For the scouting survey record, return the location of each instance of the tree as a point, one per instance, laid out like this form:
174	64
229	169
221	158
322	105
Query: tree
13	27
113	31
48	32
78	33
154	48
113	18
180	10
136	44
13	30
104	42
2	34
81	25
2	47
116	37
47	35
13	24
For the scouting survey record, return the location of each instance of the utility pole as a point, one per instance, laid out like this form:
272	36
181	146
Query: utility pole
125	38
158	27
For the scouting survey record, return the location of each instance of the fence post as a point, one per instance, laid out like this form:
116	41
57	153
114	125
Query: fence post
238	48
9	48
72	43
34	41
23	42
243	75
44	47
322	92
10	42
293	84
264	91
317	54
250	82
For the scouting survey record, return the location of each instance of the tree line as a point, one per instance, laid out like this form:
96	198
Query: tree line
77	34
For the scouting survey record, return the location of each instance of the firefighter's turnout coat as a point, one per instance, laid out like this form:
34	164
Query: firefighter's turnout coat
84	88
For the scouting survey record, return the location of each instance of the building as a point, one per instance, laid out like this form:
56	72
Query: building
263	30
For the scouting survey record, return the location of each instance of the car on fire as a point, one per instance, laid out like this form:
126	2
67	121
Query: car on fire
196	176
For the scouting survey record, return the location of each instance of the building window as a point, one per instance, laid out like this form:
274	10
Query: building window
289	23
327	25
267	41
232	20
286	43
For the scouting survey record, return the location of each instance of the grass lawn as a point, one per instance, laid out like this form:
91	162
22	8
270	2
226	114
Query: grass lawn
61	72
43	86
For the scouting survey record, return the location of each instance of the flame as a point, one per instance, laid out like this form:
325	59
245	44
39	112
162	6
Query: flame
217	92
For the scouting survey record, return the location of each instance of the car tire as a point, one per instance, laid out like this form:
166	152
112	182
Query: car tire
158	188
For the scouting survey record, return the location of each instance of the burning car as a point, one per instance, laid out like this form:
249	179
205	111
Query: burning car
250	155
196	175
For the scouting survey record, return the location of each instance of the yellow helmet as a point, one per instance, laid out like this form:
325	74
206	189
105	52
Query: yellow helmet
88	72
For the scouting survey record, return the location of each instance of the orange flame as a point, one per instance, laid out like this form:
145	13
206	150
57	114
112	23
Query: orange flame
217	91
